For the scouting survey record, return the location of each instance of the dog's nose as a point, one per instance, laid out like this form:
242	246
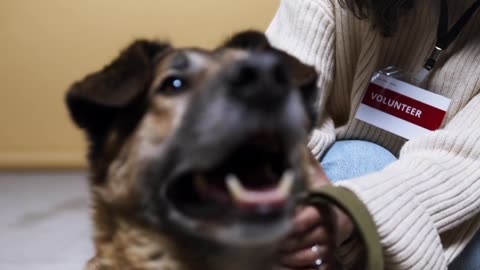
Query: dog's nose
261	79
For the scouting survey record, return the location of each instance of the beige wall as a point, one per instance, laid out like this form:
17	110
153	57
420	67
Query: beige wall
46	45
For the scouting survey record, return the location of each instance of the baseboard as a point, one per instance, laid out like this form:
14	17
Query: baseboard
39	160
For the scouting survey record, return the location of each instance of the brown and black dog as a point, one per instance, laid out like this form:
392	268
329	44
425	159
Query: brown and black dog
196	156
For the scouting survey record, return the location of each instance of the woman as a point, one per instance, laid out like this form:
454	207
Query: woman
425	205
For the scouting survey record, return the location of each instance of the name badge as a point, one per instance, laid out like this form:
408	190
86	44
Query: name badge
401	108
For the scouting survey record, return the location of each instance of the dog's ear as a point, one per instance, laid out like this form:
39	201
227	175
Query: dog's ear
306	78
95	102
248	40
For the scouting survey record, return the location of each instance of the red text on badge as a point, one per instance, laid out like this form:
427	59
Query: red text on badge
402	108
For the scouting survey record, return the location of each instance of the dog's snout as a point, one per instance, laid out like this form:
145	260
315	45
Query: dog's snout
260	79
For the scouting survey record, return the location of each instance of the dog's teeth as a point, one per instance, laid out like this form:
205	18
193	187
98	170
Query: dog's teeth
262	197
235	186
286	183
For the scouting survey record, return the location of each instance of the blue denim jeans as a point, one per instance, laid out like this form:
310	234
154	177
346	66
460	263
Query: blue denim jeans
349	159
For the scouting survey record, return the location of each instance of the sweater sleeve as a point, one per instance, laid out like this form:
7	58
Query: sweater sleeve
432	188
305	29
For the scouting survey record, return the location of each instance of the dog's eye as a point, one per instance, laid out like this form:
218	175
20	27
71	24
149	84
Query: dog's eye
172	85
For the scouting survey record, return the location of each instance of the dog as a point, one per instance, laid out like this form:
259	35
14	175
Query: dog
196	157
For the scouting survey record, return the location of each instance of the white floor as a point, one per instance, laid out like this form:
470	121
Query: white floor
44	221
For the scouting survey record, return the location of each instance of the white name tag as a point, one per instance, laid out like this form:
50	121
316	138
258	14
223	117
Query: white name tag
402	108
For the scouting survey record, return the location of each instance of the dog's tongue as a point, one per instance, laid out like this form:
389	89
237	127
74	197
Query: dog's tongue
248	198
254	199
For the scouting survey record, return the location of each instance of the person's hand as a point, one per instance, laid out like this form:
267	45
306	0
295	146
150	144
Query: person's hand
310	243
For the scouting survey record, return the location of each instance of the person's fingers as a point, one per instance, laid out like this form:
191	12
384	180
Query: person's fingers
317	235
305	258
305	220
318	177
344	226
321	267
324	266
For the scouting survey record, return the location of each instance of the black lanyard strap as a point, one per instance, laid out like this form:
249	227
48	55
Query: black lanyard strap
445	37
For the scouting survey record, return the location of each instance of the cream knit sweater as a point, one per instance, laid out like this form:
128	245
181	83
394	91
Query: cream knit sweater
426	205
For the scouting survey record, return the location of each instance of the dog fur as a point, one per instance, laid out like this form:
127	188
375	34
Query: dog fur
143	129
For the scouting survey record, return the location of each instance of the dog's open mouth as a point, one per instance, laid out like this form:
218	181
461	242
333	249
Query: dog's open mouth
254	182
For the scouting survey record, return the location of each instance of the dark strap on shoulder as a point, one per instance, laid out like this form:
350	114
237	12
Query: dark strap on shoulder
446	37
